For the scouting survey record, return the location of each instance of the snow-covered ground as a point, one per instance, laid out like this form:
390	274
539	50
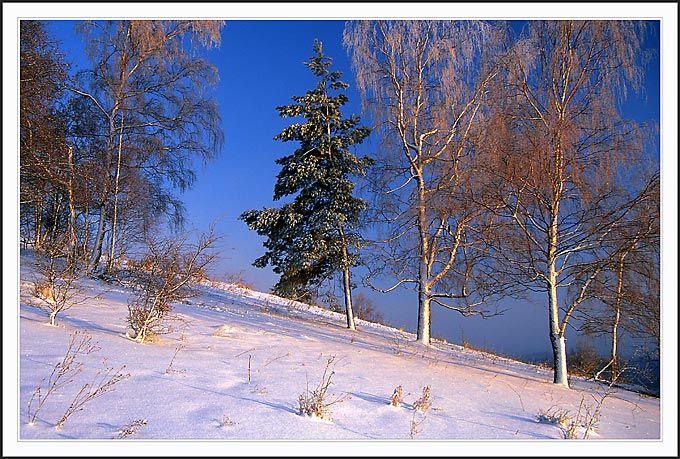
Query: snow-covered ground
236	366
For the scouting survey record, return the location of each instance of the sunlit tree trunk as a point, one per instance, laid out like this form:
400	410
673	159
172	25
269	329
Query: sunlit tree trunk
617	320
423	330
116	194
557	339
72	207
346	282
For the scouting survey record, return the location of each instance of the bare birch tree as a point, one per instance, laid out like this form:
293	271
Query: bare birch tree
424	84
627	289
565	158
169	271
43	149
153	94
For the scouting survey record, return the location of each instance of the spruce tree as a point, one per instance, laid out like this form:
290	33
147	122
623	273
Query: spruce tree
314	236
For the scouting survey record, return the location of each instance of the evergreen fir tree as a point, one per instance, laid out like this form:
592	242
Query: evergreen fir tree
315	236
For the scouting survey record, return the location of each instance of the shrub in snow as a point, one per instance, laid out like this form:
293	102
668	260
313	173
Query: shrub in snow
182	345
102	382
226	422
424	403
554	415
579	425
131	429
396	398
317	402
57	285
166	273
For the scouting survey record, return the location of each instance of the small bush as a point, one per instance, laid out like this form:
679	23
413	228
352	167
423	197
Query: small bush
396	398
585	361
130	429
103	382
63	373
317	402
226	421
57	287
554	415
580	424
166	273
415	424
365	310
180	346
424	403
239	280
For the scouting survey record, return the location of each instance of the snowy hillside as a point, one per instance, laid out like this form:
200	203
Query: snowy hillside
239	361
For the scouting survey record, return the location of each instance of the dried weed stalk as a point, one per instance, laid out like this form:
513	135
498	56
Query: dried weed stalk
317	402
102	382
63	373
424	403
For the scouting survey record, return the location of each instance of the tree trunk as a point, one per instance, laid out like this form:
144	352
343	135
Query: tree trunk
617	319
346	281
99	240
55	213
615	358
423	332
116	192
424	301
53	318
348	298
97	249
72	208
86	237
38	224
557	340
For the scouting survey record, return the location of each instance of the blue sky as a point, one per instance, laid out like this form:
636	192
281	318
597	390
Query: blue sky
261	67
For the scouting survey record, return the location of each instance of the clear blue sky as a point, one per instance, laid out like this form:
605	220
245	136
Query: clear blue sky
261	67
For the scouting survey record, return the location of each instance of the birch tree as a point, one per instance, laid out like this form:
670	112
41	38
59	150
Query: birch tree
425	85
153	92
43	145
627	289
566	156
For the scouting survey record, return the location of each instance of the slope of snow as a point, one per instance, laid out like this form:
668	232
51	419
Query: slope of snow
238	361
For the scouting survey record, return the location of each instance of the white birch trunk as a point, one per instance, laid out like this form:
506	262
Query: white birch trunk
617	319
114	224
557	340
423	332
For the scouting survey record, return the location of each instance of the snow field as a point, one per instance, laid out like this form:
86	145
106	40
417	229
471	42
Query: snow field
238	361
